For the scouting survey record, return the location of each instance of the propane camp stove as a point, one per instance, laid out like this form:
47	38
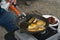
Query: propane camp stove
49	34
24	36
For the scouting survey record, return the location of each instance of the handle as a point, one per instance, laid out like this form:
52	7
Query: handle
14	9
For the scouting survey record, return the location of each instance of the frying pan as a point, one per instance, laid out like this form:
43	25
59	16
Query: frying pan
24	24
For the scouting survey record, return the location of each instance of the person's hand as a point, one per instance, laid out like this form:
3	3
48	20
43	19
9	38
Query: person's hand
11	1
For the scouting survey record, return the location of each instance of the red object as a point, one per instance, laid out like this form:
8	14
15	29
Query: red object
14	9
51	20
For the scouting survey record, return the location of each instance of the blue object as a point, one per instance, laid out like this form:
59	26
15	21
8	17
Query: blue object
7	20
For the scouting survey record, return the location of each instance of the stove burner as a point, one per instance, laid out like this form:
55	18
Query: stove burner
46	35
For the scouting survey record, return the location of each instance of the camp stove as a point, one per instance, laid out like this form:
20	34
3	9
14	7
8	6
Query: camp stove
24	36
49	34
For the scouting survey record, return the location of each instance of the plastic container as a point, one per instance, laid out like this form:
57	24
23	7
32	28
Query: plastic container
54	26
59	27
56	19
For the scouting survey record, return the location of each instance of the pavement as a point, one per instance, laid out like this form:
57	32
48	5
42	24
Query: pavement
51	7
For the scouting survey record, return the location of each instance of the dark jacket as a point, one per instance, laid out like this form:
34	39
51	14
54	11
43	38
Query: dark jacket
2	10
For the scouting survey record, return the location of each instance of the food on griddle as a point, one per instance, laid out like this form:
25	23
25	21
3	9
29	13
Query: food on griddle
39	25
51	20
32	26
31	20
